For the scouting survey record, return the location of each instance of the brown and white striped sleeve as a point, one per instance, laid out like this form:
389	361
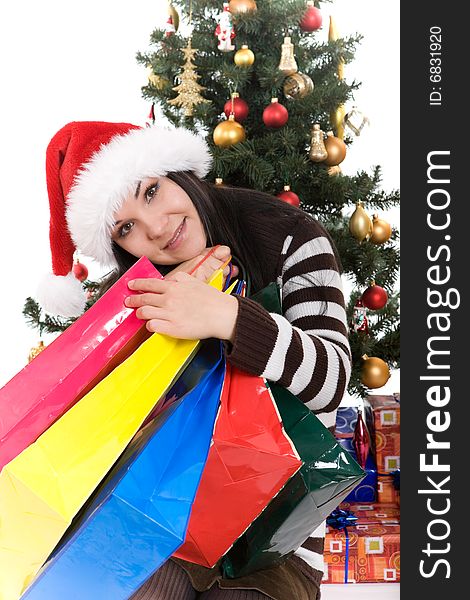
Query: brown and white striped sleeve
306	349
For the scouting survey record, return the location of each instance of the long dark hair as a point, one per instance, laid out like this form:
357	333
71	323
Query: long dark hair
231	216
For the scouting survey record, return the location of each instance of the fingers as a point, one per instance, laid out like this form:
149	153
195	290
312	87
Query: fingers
150	284
222	253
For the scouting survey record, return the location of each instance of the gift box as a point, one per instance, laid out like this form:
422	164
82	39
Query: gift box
87	351
362	553
346	418
383	418
386	489
373	512
139	515
366	490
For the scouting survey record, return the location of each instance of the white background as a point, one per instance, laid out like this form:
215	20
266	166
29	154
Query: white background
62	61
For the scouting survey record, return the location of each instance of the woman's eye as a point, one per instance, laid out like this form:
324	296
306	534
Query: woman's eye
125	229
150	192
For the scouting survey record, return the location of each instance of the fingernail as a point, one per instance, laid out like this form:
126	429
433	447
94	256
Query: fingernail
130	284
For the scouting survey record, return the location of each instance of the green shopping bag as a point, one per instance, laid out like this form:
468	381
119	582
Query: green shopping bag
328	475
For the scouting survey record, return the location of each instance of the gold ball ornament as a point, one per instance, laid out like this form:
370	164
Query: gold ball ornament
228	133
375	372
244	57
242	6
381	230
336	150
360	224
297	85
35	351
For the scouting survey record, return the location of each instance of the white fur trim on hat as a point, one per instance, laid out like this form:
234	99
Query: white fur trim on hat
61	295
112	173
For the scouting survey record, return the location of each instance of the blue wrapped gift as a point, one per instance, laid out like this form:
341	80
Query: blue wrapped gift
138	517
345	421
366	491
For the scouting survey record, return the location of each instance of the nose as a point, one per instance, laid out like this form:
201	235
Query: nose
156	228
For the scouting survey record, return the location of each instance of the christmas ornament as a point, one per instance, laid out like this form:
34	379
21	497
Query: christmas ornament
189	90
287	65
374	297
219	181
275	115
332	37
381	231
228	133
356	121
225	30
170	28
157	81
360	224
335	170
288	196
172	12
337	121
237	106
318	151
80	271
238	7
312	18
244	57
375	372
297	86
359	321
361	440
335	148
35	350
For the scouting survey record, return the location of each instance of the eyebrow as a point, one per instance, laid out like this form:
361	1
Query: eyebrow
136	195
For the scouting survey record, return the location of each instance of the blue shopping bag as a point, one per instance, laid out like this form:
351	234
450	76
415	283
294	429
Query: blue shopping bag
138	517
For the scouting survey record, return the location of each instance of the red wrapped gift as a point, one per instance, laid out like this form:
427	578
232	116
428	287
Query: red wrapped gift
383	413
386	491
250	460
364	553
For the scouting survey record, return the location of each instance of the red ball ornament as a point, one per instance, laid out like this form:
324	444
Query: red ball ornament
80	271
288	196
374	297
312	19
240	108
275	115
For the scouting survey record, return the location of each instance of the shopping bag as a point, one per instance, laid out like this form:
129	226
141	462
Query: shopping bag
250	460
139	516
71	365
44	487
328	474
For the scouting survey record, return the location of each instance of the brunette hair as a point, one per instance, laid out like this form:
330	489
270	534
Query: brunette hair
229	216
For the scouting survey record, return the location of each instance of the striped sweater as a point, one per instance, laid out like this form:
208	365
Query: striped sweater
305	350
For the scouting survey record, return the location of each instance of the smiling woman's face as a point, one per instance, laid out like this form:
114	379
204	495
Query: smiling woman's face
158	220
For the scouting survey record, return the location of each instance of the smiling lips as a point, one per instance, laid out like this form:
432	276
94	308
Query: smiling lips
176	236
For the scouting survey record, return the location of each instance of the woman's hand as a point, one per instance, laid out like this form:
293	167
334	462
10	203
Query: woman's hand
219	256
184	308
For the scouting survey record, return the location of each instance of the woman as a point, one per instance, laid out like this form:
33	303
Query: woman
118	192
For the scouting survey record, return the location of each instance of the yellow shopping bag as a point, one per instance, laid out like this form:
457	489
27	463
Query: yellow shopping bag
44	487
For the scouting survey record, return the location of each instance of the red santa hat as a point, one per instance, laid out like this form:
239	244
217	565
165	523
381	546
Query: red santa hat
91	167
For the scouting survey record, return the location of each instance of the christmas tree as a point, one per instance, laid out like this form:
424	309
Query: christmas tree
264	91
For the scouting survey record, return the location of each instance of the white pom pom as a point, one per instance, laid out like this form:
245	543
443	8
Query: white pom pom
61	295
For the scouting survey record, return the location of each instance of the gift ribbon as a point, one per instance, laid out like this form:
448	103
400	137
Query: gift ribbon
342	519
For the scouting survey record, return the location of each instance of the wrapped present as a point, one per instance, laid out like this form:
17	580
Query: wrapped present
383	416
44	487
366	489
373	513
362	553
71	365
387	489
250	460
139	516
346	418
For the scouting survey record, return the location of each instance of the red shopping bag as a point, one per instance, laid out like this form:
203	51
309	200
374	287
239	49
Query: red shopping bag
250	460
